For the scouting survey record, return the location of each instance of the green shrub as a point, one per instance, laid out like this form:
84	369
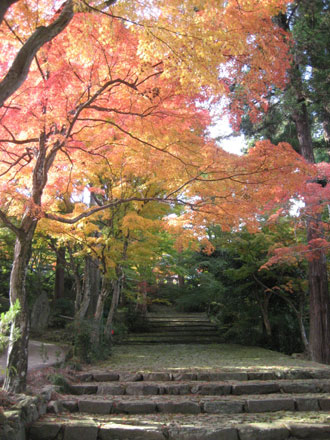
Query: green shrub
60	381
6	319
84	349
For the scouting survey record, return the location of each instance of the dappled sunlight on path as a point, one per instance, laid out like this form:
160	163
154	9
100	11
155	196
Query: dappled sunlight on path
215	356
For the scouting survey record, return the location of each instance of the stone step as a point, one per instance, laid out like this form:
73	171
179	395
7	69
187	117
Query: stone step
150	341
179	325
157	333
219	388
283	425
176	315
191	404
203	375
150	338
177	319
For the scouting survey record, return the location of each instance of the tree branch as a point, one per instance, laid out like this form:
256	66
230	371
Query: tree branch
21	65
111	204
4	6
5	220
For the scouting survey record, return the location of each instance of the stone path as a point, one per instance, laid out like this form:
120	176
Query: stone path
240	393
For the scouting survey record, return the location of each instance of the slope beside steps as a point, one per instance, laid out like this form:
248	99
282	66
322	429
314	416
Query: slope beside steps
175	328
191	405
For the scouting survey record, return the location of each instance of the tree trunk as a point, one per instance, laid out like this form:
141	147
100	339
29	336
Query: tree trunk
95	281
59	273
116	291
303	334
326	127
299	312
264	305
77	282
98	316
181	281
319	327
319	312
17	359
86	303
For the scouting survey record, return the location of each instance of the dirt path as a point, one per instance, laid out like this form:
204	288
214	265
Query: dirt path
41	354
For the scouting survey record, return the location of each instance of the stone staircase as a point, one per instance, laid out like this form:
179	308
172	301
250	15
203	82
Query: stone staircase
169	327
209	404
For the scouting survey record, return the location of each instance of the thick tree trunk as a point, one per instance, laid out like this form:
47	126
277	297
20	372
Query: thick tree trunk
319	334
17	359
326	127
319	327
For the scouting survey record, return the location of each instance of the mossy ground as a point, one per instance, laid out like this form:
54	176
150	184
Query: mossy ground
214	356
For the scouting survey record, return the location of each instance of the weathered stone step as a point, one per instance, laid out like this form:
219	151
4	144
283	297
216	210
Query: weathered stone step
177	315
176	318
178	333
191	321
146	388
191	404
282	426
202	375
149	338
180	325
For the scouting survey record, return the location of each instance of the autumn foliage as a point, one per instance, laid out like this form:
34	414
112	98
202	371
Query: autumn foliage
108	104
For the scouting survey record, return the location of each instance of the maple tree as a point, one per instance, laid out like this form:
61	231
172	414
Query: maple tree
89	86
299	114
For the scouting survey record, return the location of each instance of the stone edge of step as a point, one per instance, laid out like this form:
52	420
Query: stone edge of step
190	405
114	376
247	431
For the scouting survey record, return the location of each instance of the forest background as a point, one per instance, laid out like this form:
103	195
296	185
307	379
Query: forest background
114	194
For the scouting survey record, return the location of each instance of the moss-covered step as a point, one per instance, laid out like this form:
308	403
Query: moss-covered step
264	426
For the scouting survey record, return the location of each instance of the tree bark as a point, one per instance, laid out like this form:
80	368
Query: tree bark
17	358
94	281
319	326
59	273
98	316
117	286
20	68
319	312
86	302
265	316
